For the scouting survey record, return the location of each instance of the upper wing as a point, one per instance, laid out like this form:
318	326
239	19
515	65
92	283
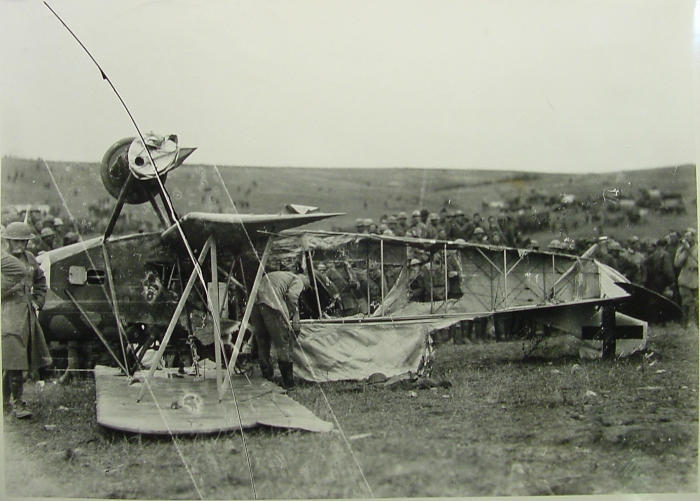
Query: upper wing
237	230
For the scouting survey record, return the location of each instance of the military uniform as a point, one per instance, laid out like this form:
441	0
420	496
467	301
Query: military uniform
276	310
687	260
23	345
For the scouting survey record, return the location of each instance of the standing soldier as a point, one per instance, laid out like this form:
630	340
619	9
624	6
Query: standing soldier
417	228
631	263
349	288
393	225
659	265
275	320
59	237
23	294
402	228
687	261
47	238
432	228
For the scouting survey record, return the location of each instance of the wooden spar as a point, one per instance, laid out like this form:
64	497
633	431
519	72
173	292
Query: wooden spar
505	278
447	285
157	210
310	261
430	269
246	316
381	277
96	330
369	298
215	310
175	317
118	208
114	302
230	279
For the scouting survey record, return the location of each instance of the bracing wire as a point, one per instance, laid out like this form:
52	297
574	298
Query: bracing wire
169	206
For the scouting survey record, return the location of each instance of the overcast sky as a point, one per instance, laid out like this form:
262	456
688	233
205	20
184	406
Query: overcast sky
588	85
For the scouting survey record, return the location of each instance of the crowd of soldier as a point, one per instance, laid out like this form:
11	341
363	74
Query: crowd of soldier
49	231
447	225
667	266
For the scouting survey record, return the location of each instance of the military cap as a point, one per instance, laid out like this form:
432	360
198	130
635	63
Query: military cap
17	231
614	246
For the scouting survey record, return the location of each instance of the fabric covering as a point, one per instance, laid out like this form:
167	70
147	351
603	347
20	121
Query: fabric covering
354	351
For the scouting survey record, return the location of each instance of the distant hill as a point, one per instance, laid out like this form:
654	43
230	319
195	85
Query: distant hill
76	189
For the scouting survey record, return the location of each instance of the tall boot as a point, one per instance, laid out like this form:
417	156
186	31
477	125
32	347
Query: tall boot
287	370
266	368
6	405
19	406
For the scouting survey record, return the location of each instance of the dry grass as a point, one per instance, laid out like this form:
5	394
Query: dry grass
508	425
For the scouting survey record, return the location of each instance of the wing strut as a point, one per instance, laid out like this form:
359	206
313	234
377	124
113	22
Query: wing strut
176	315
246	316
97	331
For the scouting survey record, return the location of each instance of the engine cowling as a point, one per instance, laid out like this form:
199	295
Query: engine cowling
114	172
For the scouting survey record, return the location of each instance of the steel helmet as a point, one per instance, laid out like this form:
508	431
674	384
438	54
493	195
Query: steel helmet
58	221
415	213
47	232
434	217
555	244
17	231
402	215
359	222
614	246
368	221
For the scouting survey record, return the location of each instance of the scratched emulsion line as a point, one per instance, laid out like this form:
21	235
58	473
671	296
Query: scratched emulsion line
160	410
325	397
166	198
87	254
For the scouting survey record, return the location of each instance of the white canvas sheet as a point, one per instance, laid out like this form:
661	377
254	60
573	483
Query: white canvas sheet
352	351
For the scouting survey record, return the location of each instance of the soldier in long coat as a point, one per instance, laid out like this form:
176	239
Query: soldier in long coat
23	295
686	260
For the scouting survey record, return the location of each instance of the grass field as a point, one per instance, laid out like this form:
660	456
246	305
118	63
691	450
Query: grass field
74	187
548	423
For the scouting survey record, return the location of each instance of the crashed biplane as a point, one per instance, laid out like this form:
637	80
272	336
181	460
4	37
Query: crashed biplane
152	290
405	289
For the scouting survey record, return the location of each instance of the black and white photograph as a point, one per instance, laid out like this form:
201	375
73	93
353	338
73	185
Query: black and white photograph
265	249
